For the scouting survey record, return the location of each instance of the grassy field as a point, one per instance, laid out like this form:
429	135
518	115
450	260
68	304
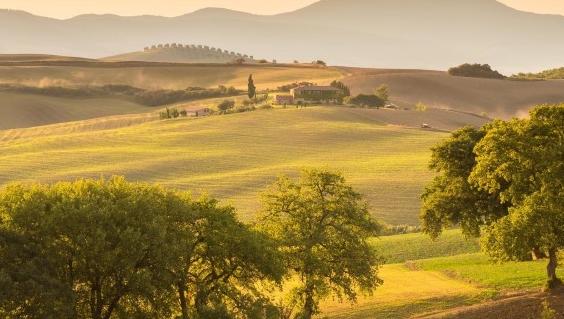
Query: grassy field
22	110
430	284
233	157
409	247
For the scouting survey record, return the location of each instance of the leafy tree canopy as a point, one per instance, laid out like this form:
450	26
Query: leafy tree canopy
369	100
105	249
507	176
475	70
322	225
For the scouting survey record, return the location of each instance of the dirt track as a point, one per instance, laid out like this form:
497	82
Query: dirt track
526	306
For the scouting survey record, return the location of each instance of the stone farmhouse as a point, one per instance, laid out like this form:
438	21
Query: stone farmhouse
323	94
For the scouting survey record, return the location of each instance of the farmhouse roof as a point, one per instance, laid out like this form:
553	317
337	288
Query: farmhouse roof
316	88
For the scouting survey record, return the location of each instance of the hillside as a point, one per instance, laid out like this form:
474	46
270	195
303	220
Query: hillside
233	157
494	98
181	53
430	34
152	75
455	101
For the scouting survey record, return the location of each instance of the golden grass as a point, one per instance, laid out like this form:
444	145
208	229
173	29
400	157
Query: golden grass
405	293
233	157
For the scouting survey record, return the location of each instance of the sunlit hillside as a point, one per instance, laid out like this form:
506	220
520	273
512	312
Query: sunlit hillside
233	157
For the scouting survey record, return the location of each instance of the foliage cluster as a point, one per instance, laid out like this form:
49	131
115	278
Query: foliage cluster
342	86
172	113
164	97
198	50
552	74
288	87
505	179
322	225
475	70
113	249
141	96
389	230
106	249
77	92
367	100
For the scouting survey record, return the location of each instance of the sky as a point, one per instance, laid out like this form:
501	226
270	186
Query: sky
64	9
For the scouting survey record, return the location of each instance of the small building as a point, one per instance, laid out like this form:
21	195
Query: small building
326	94
196	111
284	99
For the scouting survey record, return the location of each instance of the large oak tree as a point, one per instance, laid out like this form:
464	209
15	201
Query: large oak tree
507	177
322	225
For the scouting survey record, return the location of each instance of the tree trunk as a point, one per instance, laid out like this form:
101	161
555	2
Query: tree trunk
183	302
309	303
552	263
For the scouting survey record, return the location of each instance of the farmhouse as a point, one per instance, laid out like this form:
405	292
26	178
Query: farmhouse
284	99
326	94
196	111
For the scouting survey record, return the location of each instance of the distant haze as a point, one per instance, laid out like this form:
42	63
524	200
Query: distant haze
64	9
414	34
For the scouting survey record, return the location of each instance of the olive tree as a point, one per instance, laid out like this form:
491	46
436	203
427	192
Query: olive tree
322	225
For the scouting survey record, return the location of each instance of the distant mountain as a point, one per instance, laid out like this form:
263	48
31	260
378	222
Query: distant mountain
425	34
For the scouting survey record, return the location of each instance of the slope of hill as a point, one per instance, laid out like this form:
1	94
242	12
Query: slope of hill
180	53
494	98
430	34
151	75
233	157
23	110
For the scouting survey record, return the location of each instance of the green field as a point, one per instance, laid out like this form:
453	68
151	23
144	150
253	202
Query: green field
232	157
429	284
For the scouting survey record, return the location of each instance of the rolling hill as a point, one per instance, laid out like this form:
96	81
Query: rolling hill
430	34
493	98
232	157
454	101
180	53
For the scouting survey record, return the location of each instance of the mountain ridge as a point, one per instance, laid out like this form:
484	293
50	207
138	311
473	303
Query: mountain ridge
431	34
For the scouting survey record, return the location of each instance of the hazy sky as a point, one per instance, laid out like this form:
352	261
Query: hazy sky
63	9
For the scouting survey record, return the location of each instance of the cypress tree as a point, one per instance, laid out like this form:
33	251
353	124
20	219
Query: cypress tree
252	88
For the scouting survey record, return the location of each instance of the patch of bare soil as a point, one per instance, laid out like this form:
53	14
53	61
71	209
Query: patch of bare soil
496	98
525	306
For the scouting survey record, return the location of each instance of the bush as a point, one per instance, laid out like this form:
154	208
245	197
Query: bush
370	100
226	105
475	70
420	107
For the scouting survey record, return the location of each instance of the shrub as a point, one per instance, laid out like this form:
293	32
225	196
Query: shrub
420	107
475	70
